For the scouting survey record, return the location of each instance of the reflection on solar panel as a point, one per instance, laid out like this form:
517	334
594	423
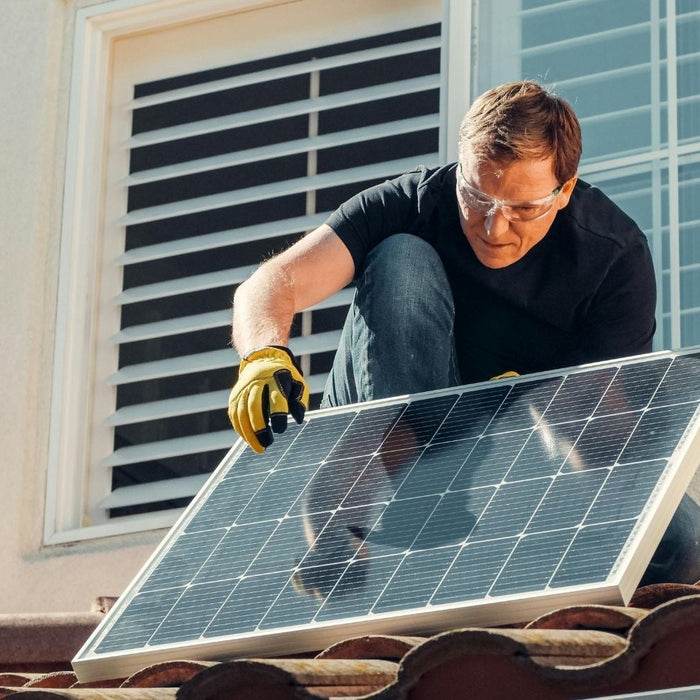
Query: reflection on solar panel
487	504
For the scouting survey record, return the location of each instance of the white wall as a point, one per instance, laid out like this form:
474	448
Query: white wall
36	43
35	52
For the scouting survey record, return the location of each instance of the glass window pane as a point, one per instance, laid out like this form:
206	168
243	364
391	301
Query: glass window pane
611	62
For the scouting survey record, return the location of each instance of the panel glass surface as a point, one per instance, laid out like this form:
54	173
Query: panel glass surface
510	488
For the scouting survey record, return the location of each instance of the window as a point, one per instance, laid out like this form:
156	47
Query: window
631	69
203	138
225	142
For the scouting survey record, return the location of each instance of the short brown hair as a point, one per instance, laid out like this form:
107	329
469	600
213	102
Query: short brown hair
523	120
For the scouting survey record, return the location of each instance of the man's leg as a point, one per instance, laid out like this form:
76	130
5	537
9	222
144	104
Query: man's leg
677	558
398	336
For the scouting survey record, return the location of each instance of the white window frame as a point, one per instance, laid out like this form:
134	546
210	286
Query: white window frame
79	309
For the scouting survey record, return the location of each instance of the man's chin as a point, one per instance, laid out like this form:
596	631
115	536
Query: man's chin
496	260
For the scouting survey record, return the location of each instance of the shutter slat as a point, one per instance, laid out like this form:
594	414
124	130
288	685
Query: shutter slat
283	111
216	359
175	447
220	239
169	408
172	326
183	285
199	322
186	405
277	150
374	171
154	492
293	69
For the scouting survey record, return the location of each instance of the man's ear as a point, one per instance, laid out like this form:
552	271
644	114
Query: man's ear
566	190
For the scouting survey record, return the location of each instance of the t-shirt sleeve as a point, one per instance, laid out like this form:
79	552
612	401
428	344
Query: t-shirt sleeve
621	318
369	217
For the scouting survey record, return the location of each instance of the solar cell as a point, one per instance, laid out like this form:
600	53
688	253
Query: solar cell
484	504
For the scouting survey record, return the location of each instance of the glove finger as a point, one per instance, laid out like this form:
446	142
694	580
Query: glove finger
259	411
279	406
244	426
278	411
299	400
233	417
298	411
278	422
258	406
283	379
234	400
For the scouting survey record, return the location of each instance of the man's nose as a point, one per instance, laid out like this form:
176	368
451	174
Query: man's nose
495	223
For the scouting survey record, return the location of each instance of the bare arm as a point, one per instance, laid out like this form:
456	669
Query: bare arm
311	270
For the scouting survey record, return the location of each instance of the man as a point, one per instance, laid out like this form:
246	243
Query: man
510	264
502	262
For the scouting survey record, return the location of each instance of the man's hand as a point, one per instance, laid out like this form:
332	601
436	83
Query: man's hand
270	385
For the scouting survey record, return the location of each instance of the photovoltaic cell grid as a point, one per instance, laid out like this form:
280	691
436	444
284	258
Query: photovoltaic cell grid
446	498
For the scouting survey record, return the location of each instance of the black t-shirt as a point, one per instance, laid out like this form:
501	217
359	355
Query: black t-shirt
585	292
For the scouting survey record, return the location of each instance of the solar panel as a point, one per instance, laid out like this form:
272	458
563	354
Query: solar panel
478	505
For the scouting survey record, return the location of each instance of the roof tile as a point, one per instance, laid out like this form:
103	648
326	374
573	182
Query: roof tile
289	678
660	653
17	679
375	646
658	593
167	674
578	651
601	617
57	679
43	642
88	694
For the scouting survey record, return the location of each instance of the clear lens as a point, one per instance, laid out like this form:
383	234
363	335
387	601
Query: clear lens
482	204
525	212
474	201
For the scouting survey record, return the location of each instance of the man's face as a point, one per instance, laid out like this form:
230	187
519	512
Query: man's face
524	186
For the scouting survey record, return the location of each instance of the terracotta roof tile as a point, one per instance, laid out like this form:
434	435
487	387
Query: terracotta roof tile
579	651
599	617
43	642
485	663
374	646
87	694
290	678
168	674
658	593
57	679
660	652
17	679
110	683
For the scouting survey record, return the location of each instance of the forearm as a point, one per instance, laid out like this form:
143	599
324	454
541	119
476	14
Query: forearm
270	384
263	310
313	269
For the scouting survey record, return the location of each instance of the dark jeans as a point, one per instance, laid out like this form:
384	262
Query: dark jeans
403	309
398	339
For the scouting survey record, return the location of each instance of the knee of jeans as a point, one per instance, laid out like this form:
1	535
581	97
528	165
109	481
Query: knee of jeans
403	266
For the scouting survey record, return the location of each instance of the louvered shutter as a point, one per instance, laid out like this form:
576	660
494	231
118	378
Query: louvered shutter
227	167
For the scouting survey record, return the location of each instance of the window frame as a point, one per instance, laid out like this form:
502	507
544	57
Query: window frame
80	313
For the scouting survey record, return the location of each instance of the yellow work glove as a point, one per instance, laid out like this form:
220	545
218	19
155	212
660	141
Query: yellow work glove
507	375
270	385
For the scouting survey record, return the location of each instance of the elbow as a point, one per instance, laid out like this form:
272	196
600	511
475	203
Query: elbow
240	292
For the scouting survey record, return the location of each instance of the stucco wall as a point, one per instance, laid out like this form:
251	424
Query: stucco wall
36	39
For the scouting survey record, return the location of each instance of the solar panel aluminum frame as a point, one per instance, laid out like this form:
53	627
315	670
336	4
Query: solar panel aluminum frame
617	588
